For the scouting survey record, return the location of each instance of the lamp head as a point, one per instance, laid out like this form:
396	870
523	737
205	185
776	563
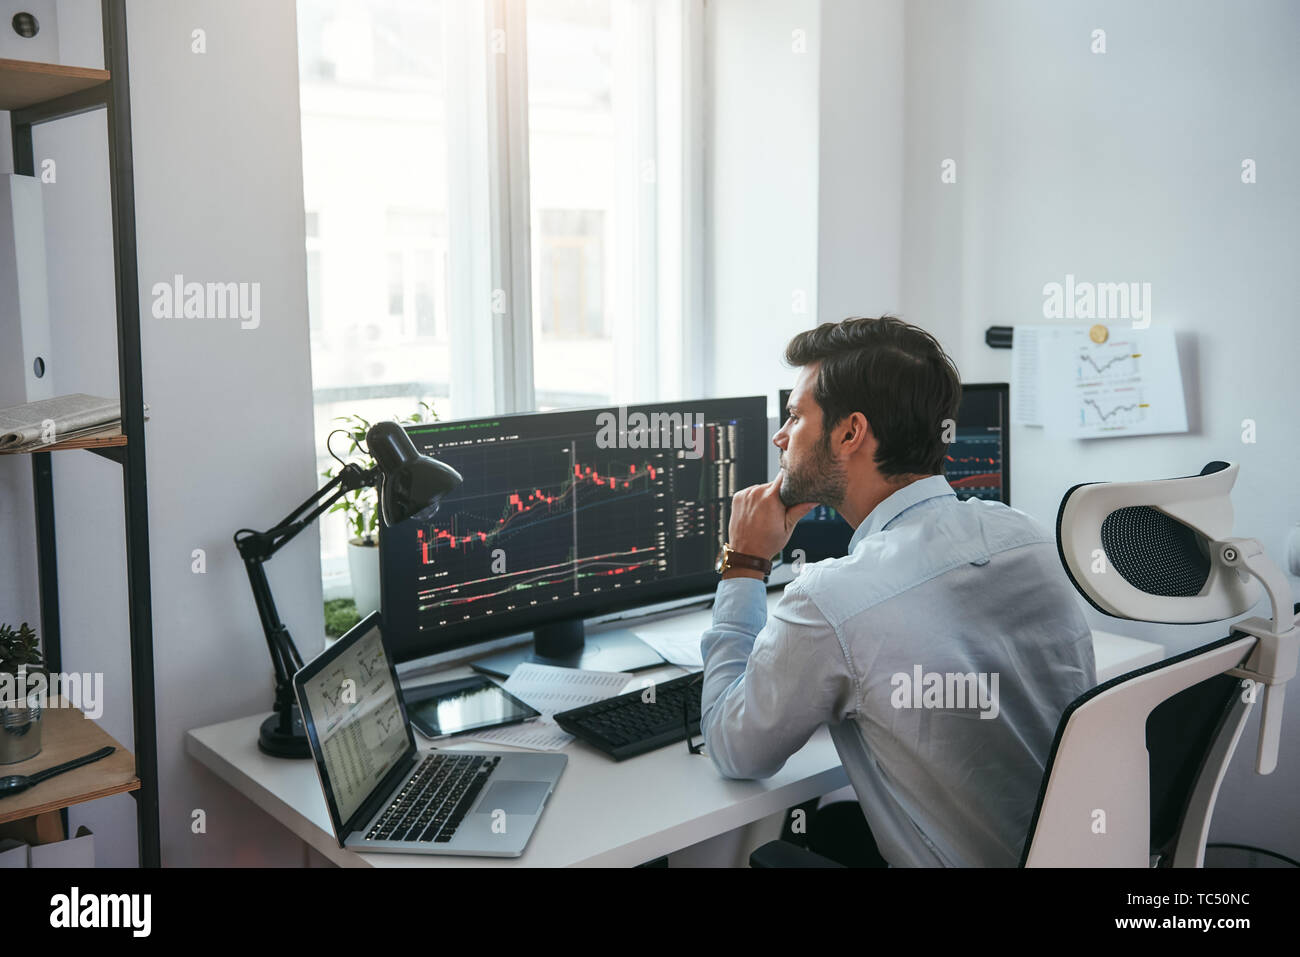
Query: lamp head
411	485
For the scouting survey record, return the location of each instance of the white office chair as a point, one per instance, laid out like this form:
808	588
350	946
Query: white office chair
1137	762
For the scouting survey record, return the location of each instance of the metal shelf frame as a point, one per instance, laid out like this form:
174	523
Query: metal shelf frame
114	97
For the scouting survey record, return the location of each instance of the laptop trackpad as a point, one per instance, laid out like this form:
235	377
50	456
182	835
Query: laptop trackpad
514	797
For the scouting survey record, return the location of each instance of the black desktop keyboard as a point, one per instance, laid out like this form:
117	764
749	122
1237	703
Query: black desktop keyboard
435	799
629	724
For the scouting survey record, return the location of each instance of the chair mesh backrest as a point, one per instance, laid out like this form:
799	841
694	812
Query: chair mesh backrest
1180	731
1153	552
1178	734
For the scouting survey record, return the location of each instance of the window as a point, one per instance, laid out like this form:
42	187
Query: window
491	186
570	302
315	319
375	182
417	273
595	111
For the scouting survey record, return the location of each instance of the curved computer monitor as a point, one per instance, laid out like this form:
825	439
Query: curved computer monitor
977	465
564	516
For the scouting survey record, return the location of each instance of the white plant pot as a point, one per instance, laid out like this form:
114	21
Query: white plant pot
363	566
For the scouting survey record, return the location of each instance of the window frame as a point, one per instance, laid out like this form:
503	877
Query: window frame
663	357
487	313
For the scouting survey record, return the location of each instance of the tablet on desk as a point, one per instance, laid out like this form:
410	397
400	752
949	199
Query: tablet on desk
465	704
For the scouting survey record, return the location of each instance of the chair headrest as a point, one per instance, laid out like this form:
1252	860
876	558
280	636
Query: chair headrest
1140	550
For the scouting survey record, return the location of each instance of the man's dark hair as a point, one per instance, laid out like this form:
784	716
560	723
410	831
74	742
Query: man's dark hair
897	375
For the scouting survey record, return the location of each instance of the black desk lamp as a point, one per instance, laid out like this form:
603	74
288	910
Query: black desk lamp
411	485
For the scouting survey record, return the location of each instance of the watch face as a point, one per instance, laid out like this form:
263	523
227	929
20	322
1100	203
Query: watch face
721	564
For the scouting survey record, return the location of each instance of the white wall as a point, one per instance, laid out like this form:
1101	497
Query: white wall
1116	167
219	197
1125	166
860	159
218	177
761	179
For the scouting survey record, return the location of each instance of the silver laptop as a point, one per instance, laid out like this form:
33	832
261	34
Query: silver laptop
386	795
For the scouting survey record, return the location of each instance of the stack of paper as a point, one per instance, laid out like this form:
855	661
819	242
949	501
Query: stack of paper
675	646
550	690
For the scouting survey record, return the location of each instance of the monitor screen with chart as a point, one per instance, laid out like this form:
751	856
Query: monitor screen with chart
565	515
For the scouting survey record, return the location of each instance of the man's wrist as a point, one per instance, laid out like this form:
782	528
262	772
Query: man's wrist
734	572
732	558
745	548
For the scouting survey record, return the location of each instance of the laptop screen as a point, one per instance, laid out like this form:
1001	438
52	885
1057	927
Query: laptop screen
358	720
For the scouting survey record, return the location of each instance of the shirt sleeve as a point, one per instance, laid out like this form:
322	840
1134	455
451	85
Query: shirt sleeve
768	684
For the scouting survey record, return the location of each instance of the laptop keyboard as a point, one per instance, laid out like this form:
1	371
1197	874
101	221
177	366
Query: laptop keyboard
435	799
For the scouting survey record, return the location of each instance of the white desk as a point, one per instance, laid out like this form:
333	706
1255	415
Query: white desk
603	813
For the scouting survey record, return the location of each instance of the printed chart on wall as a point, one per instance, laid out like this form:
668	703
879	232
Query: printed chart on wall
1077	387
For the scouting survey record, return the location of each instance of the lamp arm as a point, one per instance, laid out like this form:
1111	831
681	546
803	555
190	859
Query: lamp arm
417	484
265	544
256	547
284	653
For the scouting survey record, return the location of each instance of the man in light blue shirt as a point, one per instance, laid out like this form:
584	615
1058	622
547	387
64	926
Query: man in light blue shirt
941	651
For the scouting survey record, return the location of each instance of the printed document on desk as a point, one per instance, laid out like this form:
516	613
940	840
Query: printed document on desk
681	648
550	689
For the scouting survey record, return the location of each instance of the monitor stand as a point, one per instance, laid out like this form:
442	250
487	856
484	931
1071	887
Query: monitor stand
564	644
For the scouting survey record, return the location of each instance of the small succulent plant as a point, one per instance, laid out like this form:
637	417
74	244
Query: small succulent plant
18	649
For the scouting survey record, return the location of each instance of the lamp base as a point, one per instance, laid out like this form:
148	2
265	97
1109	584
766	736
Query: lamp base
279	744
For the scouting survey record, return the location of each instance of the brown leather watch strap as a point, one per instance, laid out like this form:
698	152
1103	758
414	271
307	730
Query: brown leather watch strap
735	559
741	560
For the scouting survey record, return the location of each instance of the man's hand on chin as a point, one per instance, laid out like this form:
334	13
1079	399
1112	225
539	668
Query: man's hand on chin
760	522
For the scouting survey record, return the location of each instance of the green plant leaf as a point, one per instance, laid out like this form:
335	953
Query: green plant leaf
18	648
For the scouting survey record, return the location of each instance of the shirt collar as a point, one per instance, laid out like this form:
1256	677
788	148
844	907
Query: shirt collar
932	486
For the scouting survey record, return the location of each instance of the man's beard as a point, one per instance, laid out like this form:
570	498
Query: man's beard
821	480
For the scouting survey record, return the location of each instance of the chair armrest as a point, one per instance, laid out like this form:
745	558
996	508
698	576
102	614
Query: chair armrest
785	854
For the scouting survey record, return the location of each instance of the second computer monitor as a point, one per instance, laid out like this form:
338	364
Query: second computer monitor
566	515
977	465
978	462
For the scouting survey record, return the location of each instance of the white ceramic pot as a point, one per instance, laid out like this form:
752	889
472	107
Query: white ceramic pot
363	566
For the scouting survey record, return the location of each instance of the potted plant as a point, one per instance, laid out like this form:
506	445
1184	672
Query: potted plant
361	510
20	708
